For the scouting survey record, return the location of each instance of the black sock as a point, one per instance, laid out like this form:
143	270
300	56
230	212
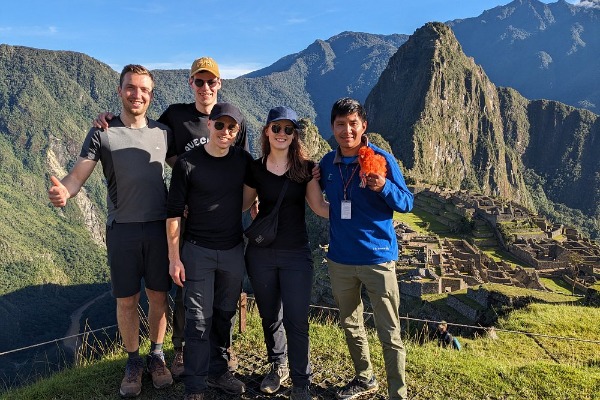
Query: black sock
133	354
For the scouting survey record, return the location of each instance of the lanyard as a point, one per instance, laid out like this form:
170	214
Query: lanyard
346	184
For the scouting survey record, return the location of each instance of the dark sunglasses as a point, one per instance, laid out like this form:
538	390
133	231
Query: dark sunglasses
232	128
210	82
289	130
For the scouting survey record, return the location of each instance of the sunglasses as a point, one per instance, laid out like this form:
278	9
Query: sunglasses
210	82
289	130
232	128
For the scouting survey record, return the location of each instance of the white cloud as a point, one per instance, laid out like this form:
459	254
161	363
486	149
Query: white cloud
295	21
166	65
233	71
228	71
589	3
24	31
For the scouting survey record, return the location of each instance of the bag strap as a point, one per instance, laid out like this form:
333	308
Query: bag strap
280	198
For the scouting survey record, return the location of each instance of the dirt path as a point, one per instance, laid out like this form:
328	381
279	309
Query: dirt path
72	342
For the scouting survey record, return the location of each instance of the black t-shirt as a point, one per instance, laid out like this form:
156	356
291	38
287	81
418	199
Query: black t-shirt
212	187
291	228
190	130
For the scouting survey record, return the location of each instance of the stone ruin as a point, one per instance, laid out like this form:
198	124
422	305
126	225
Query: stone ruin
461	264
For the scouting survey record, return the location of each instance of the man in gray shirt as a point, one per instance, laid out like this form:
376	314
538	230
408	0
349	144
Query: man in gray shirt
132	152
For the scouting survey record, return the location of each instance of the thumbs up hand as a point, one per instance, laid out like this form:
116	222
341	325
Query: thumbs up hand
58	193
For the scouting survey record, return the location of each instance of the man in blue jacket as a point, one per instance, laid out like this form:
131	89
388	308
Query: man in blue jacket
363	249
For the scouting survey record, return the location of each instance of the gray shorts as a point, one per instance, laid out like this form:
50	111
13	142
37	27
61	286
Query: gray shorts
138	250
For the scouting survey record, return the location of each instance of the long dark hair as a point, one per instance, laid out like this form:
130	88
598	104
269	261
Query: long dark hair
297	160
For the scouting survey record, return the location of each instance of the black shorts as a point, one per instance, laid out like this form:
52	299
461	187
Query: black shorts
138	250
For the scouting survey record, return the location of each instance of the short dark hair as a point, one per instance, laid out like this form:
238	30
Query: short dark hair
347	106
136	69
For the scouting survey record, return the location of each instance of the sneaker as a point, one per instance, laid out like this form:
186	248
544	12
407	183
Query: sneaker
357	388
274	378
227	383
194	396
177	365
161	376
131	385
300	393
232	362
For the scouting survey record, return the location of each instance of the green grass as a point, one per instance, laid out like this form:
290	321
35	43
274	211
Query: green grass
497	254
513	366
423	223
536	295
558	285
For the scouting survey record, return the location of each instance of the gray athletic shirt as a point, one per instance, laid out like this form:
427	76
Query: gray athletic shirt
133	165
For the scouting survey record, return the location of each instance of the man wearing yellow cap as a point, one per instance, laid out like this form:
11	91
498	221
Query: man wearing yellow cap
188	121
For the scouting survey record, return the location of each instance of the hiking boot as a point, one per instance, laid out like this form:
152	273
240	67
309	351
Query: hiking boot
277	374
357	388
161	376
232	361
177	365
131	385
300	393
227	383
194	396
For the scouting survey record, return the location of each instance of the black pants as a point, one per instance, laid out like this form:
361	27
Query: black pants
179	312
211	292
282	283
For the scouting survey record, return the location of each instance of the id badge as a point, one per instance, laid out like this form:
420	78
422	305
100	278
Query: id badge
346	209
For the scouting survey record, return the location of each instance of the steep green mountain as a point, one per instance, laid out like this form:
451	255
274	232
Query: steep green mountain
46	98
450	125
545	51
441	116
52	260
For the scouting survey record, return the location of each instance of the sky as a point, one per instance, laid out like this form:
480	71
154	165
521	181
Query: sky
242	35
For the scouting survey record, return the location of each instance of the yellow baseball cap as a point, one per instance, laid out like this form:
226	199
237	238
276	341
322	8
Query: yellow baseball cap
205	64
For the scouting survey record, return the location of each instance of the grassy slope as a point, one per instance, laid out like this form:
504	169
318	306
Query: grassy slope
514	366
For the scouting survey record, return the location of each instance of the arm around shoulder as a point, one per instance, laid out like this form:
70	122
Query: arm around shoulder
316	200
249	197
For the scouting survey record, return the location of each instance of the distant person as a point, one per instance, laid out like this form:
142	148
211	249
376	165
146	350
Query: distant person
282	272
132	151
209	180
445	339
363	249
188	121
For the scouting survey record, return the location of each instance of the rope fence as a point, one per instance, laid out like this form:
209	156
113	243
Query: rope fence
332	309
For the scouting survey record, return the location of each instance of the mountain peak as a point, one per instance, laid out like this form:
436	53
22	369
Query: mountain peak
441	116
